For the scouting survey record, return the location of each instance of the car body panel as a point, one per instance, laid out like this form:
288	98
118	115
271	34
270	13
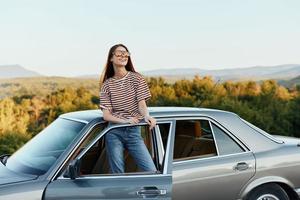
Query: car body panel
116	187
29	190
7	176
198	177
281	165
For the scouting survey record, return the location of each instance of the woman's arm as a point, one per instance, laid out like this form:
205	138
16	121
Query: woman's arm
144	111
107	116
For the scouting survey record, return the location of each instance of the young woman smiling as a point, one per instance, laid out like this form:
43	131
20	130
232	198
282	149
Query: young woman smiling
123	97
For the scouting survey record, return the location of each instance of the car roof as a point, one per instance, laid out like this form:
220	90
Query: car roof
87	116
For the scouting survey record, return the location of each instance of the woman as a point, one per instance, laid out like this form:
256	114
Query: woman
123	97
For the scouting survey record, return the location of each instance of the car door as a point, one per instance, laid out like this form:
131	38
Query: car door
134	185
210	163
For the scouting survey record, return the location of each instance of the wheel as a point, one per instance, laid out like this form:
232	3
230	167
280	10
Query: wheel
268	192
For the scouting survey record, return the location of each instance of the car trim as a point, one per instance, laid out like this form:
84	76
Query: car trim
105	176
168	148
157	115
214	138
160	145
207	158
73	119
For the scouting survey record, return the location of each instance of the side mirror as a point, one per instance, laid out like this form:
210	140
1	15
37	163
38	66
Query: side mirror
3	158
73	170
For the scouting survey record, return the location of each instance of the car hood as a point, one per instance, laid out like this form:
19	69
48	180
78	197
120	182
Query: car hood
288	140
7	176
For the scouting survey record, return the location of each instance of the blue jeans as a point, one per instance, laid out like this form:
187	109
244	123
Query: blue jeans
118	139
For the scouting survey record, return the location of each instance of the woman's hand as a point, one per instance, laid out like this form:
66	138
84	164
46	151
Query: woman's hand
132	120
144	111
150	120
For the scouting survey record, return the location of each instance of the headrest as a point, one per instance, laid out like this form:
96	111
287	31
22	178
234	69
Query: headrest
198	130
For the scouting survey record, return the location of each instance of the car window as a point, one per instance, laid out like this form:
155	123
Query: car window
95	160
225	144
193	139
40	153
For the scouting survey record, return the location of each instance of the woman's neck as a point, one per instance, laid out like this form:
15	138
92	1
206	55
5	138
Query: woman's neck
119	72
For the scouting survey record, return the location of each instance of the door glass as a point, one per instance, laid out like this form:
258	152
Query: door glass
193	139
225	144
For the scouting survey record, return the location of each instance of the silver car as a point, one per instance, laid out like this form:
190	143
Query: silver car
199	154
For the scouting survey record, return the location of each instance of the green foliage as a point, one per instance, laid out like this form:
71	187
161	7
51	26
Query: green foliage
28	105
22	117
12	141
294	116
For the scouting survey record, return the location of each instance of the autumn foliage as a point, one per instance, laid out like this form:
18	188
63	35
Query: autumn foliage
272	107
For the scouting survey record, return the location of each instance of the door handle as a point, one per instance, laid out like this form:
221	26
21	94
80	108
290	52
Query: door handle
242	166
151	192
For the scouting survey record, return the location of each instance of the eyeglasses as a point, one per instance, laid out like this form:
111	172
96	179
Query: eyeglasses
119	53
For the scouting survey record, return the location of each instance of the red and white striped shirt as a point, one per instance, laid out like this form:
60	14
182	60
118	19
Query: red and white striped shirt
121	96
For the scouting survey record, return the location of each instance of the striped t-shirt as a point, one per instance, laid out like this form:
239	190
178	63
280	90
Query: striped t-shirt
121	96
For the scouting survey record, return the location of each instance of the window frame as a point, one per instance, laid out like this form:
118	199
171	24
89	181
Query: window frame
156	148
243	146
162	153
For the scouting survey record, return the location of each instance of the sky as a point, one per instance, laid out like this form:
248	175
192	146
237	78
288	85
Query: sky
72	37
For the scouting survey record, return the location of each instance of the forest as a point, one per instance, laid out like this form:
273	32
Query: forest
28	105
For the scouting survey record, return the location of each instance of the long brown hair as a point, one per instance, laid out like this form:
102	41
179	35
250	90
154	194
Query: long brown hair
109	68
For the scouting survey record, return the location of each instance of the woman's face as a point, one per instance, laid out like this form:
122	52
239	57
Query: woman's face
120	57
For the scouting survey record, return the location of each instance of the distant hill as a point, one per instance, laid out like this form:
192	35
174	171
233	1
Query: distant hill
279	72
14	71
290	83
253	73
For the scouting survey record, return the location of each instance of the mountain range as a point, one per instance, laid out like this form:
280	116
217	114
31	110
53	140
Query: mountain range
250	73
16	71
279	72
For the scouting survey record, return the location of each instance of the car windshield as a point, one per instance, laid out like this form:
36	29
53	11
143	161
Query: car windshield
39	154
